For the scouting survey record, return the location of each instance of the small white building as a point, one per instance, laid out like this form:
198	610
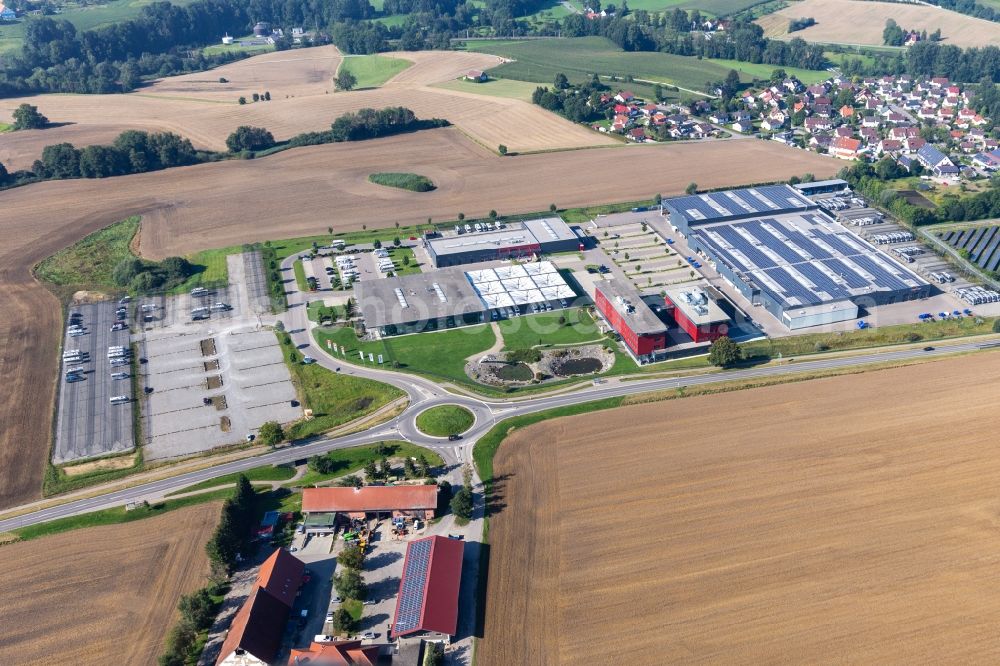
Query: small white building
227	40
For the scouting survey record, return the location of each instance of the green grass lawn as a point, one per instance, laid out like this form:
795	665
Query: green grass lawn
544	329
396	20
264	473
372	71
335	398
445	420
579	58
210	269
348	461
760	71
300	276
812	343
413	182
508	88
89	262
397	254
5	127
216	49
439	354
317	311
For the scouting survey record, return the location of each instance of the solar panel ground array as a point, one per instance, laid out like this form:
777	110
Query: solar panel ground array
799	261
982	244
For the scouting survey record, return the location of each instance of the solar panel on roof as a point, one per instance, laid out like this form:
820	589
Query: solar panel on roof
411	593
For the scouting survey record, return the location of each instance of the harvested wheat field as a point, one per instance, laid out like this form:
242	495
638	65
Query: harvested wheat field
110	602
301	192
861	22
853	519
199	107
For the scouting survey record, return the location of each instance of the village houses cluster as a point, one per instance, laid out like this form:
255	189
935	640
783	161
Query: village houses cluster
640	121
875	118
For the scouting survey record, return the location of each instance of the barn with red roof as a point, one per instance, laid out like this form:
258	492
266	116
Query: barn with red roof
427	603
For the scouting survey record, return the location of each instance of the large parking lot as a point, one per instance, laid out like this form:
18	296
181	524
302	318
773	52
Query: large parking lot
212	375
88	424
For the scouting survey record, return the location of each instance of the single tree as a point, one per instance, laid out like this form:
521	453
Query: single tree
256	97
425	467
377	244
461	217
396	241
371	471
552	208
26	116
271	433
350	585
561	82
343	622
267	95
346	81
493	214
724	352
461	504
243	100
502	149
351	557
384	468
409	468
692	188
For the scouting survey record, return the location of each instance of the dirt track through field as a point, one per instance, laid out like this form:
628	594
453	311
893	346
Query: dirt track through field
843	520
862	22
199	107
102	595
301	192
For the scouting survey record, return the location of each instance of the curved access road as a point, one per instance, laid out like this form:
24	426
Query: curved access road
425	394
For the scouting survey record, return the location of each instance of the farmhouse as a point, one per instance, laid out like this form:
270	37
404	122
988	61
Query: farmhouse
377	501
477	76
781	252
336	653
516	240
7	14
427	603
254	637
641	330
453	297
696	314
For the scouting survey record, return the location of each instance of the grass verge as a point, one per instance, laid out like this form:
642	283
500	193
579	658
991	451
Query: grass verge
264	473
347	461
445	420
115	516
334	398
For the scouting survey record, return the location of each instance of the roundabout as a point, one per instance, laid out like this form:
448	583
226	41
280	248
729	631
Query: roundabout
445	420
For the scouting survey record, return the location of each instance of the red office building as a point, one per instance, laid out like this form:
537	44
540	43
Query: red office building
696	314
641	330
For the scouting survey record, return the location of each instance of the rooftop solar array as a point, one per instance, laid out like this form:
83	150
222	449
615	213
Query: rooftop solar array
519	284
803	259
716	206
411	592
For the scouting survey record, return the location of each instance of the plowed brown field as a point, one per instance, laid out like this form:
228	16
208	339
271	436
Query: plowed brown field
861	22
200	108
853	519
300	192
101	595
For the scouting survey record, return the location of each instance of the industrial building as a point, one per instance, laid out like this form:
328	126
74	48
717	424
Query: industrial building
427	603
642	331
780	251
517	240
696	314
453	297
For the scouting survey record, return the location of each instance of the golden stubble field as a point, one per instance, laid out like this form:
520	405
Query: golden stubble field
862	22
101	595
845	520
199	107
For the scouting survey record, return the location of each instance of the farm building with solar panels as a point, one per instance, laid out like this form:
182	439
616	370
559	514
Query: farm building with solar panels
517	240
427	603
781	251
452	297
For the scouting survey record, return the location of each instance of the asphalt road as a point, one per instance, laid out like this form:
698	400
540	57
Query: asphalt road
424	394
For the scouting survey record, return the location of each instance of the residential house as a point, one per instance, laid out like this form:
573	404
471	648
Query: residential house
7	14
336	653
845	148
937	162
477	76
624	97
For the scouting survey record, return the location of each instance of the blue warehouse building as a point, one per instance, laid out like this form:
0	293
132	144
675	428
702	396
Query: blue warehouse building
781	251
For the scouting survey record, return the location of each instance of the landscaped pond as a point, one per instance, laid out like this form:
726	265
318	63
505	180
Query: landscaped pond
584	365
